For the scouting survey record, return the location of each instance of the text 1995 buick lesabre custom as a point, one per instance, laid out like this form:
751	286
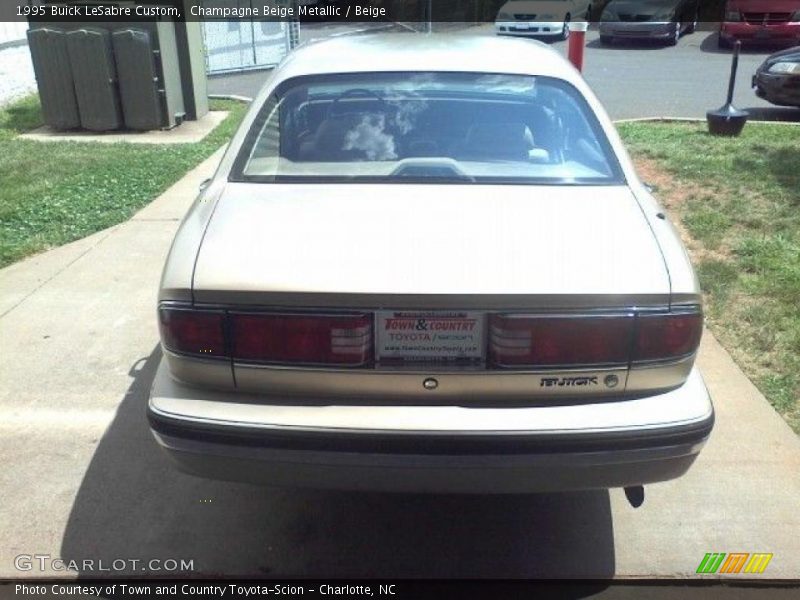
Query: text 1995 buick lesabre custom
427	264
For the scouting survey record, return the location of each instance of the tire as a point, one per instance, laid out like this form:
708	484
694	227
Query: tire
724	43
692	26
565	32
606	40
673	41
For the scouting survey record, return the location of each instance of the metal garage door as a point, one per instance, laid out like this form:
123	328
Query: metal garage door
238	45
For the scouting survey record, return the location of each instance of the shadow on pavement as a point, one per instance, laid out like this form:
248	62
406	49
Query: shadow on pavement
710	44
629	44
784	114
132	504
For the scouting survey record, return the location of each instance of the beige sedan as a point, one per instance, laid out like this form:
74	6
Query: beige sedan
427	264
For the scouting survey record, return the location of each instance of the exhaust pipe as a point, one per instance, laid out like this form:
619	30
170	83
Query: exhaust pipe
635	495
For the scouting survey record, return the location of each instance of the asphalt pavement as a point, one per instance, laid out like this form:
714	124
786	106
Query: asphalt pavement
640	80
632	79
82	478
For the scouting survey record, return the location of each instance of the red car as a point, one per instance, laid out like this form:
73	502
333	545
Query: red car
771	21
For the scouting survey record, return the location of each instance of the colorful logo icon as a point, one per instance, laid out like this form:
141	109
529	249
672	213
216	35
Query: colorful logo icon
735	562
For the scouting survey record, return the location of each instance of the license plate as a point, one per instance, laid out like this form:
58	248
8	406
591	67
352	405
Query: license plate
407	337
762	34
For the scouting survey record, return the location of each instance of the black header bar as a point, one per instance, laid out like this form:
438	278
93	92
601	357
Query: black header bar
406	11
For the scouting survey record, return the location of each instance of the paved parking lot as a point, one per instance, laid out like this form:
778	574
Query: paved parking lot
82	478
633	80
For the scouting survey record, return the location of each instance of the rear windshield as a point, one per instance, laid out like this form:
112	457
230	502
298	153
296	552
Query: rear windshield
427	127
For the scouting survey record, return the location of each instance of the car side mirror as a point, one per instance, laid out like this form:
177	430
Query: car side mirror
205	184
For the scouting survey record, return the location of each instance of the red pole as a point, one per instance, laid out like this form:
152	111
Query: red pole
577	43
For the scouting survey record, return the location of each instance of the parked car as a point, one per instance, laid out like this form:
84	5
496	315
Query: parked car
777	80
427	264
770	21
541	18
664	20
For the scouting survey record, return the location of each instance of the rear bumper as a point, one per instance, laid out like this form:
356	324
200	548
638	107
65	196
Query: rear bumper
532	29
638	31
504	455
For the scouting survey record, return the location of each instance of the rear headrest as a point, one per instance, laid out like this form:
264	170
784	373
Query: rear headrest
332	131
329	140
501	140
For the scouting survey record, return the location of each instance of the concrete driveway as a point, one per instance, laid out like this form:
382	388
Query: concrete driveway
632	79
82	478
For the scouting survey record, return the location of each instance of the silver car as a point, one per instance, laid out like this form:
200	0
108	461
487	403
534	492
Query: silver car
664	20
427	264
541	18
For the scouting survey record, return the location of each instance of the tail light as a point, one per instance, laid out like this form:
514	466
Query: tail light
551	341
515	340
193	331
667	336
344	340
286	338
544	341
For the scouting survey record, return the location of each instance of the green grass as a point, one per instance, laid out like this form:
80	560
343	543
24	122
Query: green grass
52	193
739	199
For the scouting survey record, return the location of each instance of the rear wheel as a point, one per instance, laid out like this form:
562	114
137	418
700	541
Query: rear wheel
724	43
693	25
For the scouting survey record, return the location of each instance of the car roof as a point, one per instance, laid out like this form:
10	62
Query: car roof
426	52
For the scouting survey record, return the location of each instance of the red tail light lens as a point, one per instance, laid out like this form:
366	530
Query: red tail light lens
193	331
515	341
660	337
549	341
307	339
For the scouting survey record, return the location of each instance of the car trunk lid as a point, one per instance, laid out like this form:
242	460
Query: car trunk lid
429	246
